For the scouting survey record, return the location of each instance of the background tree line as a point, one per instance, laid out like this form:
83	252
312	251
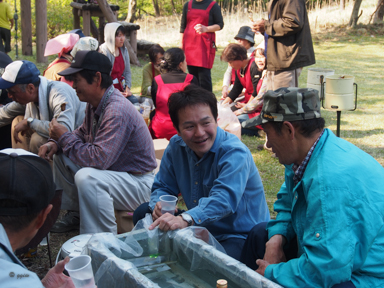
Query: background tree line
59	13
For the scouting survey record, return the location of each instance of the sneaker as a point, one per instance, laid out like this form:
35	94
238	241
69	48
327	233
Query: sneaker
69	222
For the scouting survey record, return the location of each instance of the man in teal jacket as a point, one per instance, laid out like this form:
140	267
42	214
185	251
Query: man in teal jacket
331	205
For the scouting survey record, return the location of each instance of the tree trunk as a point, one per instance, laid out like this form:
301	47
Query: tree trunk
355	14
107	12
156	6
379	13
342	4
173	7
131	16
41	30
26	27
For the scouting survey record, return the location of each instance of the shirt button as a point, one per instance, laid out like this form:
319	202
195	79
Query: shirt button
197	165
296	197
199	221
317	235
194	201
196	183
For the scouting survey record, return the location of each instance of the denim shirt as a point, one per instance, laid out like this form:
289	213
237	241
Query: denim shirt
337	213
222	191
12	272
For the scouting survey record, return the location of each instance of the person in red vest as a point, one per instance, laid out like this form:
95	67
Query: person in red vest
248	74
199	22
173	78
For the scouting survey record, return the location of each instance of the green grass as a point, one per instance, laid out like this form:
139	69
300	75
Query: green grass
346	53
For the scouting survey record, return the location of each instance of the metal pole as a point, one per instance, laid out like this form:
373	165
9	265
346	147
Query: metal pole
338	123
15	16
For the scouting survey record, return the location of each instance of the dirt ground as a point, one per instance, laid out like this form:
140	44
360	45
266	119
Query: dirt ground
40	264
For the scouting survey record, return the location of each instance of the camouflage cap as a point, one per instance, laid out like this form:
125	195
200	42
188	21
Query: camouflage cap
287	104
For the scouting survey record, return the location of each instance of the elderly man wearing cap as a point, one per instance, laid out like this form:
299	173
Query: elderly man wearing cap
329	230
39	100
27	189
108	161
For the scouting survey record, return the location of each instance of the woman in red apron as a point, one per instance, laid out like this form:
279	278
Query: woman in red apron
244	37
200	20
173	79
253	108
247	73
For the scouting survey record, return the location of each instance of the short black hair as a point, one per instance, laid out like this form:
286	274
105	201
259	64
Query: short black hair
153	51
120	29
305	127
234	52
15	223
89	75
192	95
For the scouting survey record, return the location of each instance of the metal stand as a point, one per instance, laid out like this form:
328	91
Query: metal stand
338	123
15	16
49	252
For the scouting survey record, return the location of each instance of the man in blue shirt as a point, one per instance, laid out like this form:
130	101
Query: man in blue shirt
214	172
330	221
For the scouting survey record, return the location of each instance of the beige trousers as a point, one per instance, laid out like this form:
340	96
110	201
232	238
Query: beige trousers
31	141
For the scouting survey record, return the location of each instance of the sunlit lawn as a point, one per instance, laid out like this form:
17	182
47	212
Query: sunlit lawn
359	56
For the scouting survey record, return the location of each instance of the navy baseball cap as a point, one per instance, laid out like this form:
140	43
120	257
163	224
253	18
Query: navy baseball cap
19	72
26	178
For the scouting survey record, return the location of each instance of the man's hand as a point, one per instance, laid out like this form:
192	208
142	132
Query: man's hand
262	265
240	105
258	26
22	127
199	28
238	112
47	150
157	211
56	129
274	252
55	277
169	222
127	92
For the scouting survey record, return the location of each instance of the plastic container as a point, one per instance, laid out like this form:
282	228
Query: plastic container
145	109
339	93
313	78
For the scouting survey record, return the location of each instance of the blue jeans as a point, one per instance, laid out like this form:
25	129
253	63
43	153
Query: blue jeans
254	248
133	99
252	131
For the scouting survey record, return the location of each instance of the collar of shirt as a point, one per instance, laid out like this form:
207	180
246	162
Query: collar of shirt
98	109
300	169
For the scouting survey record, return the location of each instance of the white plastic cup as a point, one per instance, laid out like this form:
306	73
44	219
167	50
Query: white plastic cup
168	204
80	271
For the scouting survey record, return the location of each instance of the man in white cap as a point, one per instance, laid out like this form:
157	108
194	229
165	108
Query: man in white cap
39	100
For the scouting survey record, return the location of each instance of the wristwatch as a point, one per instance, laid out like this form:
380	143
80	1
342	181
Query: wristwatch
30	120
187	218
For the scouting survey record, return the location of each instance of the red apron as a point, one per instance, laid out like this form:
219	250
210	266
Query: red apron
161	125
258	110
199	49
233	76
246	81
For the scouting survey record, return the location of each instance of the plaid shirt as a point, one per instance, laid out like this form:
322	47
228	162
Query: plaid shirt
300	169
121	143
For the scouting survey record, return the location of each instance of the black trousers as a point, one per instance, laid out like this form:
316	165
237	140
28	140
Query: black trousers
203	75
5	40
254	248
